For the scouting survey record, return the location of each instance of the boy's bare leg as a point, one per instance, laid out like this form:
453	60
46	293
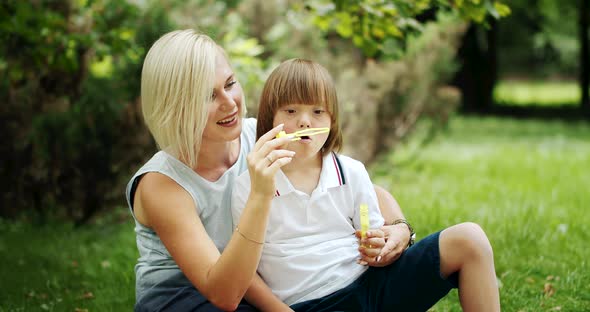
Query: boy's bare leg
465	248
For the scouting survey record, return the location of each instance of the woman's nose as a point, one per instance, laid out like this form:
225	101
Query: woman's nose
226	102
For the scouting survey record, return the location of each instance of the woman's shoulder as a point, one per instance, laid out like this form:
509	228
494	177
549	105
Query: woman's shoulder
156	193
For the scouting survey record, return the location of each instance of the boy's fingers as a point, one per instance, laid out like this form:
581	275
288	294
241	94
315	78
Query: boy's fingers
375	233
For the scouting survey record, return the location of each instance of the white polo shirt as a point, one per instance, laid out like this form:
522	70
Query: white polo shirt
310	249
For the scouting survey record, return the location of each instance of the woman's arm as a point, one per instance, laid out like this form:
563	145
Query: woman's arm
397	236
168	209
260	295
390	209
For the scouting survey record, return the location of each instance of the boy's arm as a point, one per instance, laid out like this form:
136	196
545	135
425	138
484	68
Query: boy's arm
260	296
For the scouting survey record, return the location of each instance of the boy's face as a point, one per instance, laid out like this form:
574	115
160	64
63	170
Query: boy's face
297	117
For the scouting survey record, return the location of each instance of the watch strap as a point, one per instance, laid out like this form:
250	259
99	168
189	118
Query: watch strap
412	233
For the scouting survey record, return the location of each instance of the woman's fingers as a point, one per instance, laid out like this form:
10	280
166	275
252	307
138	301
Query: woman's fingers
268	142
266	159
278	154
268	136
270	146
275	165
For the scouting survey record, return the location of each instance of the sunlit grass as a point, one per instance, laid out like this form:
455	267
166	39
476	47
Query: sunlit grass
526	183
537	93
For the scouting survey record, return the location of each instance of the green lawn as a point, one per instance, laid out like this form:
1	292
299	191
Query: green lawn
57	268
537	93
525	182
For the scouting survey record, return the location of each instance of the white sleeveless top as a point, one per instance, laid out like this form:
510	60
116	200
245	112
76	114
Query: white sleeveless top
155	269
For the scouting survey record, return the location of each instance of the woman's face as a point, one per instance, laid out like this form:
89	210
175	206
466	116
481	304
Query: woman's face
224	121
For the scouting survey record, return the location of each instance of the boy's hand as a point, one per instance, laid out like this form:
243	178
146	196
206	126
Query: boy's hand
370	247
396	238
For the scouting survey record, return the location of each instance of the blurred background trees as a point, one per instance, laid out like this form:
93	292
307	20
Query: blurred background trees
71	121
511	62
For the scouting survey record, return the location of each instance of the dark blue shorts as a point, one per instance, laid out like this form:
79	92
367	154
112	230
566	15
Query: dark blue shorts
412	283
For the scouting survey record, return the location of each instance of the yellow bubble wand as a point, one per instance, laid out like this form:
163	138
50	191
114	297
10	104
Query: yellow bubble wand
296	136
364	213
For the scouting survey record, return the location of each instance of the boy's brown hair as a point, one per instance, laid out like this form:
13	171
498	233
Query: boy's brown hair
299	81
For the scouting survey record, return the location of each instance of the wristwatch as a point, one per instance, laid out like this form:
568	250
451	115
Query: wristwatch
412	233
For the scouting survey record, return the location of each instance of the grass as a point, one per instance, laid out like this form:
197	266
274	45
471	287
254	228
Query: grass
58	268
541	93
525	182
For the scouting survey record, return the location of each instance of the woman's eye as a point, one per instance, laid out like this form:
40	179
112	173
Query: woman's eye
318	111
231	83
290	111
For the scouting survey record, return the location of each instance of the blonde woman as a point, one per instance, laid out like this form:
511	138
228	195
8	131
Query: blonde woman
192	257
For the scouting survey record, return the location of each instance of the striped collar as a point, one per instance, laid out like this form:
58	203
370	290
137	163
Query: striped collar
331	176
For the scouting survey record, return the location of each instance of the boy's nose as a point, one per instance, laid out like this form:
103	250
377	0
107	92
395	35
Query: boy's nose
304	121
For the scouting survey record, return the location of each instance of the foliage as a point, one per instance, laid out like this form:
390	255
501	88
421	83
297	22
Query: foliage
539	38
379	27
225	23
65	119
419	86
383	102
72	69
524	182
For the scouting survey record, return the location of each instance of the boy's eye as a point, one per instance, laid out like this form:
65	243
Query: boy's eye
290	111
319	111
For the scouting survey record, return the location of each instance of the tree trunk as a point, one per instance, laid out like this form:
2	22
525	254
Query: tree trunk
478	73
491	77
584	56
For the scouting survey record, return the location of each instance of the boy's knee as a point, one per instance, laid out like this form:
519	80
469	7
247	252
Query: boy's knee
471	239
478	241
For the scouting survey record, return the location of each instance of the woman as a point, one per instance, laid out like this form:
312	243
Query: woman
193	106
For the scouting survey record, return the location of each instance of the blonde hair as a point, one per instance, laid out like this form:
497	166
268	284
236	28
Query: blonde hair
298	81
176	86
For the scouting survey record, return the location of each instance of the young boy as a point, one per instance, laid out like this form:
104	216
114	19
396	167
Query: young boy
310	247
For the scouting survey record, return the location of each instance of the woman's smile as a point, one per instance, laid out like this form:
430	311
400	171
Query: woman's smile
229	121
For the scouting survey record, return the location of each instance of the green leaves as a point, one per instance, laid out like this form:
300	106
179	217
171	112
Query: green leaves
373	25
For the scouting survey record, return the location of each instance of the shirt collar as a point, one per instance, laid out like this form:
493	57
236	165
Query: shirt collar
331	176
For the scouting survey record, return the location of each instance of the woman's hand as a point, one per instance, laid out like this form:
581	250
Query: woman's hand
396	238
265	160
